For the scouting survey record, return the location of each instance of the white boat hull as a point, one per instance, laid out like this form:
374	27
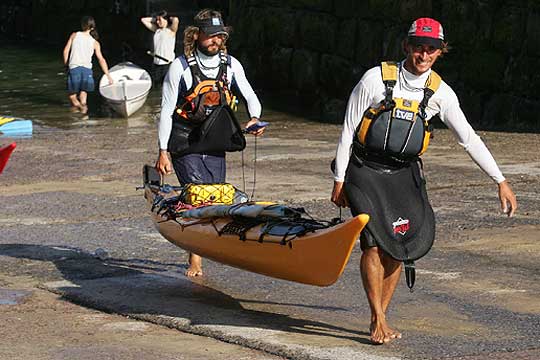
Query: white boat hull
129	90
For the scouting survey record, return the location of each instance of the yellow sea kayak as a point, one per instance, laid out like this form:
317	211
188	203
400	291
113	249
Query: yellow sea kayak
280	246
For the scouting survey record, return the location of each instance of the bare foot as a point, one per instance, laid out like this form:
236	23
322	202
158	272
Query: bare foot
193	271
74	109
381	333
84	109
195	266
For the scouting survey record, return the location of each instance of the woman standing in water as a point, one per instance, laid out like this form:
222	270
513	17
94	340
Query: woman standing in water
78	53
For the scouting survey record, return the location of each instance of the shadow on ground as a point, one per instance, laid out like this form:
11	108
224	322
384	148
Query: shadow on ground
119	286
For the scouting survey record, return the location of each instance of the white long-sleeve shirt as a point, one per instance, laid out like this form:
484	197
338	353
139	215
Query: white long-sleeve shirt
210	69
370	91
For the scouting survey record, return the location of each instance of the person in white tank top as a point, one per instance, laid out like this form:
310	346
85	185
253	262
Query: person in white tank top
164	28
77	54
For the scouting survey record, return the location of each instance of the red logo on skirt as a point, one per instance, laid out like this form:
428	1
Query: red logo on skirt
401	226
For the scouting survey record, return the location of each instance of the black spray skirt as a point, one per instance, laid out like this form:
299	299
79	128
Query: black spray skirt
401	218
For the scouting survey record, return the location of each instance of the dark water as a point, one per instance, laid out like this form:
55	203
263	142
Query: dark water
33	86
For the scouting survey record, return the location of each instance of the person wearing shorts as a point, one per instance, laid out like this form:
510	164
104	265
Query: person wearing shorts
80	79
374	175
78	52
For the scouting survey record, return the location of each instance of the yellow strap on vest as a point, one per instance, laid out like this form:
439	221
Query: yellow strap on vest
365	124
434	81
425	143
389	70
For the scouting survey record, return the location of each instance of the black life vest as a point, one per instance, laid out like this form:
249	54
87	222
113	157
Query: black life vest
205	93
203	121
396	127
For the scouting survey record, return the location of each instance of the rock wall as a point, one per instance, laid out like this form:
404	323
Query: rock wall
311	53
314	52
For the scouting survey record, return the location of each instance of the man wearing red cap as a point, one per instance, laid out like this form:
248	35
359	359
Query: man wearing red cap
378	169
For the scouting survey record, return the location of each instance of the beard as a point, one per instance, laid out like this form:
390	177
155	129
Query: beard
206	51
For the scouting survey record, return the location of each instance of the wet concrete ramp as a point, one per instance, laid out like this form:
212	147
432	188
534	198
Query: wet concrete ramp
178	303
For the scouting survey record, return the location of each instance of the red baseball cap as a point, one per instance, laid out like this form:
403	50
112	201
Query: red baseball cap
426	31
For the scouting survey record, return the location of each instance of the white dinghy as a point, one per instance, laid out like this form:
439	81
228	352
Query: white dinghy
129	90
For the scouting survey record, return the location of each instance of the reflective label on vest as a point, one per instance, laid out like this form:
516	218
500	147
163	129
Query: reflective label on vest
404	115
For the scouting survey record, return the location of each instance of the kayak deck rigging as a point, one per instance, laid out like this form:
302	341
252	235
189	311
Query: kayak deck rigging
265	238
